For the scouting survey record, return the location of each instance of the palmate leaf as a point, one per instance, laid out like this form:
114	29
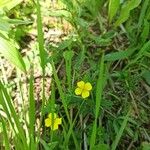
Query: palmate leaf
9	51
125	11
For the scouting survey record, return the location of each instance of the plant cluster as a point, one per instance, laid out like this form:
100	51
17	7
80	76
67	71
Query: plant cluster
75	74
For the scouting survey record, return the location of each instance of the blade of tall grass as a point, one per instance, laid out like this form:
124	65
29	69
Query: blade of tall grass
40	36
62	96
12	115
140	54
68	57
145	33
42	53
99	91
5	134
52	105
72	125
120	133
32	112
142	14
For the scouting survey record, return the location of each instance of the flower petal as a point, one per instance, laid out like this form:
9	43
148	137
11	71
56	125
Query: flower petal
78	91
52	116
81	84
58	121
55	127
85	94
48	122
88	86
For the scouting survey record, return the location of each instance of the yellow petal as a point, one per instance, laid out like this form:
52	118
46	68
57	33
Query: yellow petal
55	127
85	94
88	86
81	84
58	121
48	122
52	116
78	91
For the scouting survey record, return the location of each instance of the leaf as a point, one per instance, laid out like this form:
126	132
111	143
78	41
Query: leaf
125	11
142	13
143	50
18	22
9	4
100	147
113	7
145	146
121	130
65	44
120	55
49	146
9	51
60	13
145	33
4	25
93	6
68	55
5	134
146	76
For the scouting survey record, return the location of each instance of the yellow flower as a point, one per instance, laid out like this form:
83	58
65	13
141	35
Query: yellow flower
52	121
83	89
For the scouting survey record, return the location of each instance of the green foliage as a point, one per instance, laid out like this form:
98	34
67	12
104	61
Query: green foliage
125	11
8	50
119	134
145	146
113	7
9	4
76	41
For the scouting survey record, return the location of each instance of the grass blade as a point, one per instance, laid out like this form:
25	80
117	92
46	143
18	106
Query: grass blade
142	14
32	112
99	91
6	139
12	114
118	136
62	96
40	36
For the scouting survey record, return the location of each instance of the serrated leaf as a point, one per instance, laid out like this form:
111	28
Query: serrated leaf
125	11
9	51
113	7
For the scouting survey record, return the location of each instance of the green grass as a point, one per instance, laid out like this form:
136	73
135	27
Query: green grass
102	42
